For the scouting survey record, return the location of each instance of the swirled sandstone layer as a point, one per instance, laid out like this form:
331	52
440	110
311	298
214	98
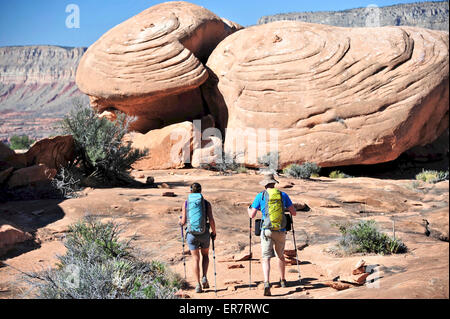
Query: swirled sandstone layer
150	66
334	96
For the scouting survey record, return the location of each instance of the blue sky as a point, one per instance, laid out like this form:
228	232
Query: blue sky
33	22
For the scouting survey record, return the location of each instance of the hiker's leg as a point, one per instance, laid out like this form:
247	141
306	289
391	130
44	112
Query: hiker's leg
266	269
196	258
205	260
267	253
282	267
279	240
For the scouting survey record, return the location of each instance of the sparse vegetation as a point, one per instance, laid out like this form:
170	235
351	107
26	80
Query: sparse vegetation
101	155
20	142
67	183
98	265
339	174
364	237
229	163
430	176
304	171
270	160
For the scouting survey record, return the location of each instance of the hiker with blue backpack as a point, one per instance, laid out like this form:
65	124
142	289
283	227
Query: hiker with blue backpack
272	203
198	218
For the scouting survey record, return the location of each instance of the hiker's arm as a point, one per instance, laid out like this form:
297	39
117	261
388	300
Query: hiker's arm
183	216
211	219
252	212
292	210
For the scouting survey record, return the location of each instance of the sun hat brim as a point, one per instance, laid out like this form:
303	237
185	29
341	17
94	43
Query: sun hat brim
268	181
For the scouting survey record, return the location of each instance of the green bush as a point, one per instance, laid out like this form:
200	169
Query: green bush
101	154
303	171
364	237
430	176
98	265
20	142
338	174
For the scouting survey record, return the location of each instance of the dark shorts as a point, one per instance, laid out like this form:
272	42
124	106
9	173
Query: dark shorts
198	241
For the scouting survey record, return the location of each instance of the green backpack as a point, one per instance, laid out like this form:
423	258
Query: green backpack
275	218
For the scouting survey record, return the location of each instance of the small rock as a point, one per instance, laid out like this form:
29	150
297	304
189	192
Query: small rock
338	285
291	262
235	266
10	236
150	180
360	263
169	194
165	185
231	288
290	253
355	279
231	282
243	257
182	294
134	199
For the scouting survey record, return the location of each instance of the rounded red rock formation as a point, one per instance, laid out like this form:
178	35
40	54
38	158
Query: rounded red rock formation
334	96
150	66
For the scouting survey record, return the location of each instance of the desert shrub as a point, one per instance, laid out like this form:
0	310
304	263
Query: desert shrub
20	142
338	174
67	182
101	153
364	237
270	160
98	265
304	171
241	170
430	176
228	164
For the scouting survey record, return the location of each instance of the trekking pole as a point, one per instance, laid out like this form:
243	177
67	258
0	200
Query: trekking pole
296	254
214	261
184	259
250	259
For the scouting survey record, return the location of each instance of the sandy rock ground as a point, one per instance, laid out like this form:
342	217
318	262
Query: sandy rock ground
422	272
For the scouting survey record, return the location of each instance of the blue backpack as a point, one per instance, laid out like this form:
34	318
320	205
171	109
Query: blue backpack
196	214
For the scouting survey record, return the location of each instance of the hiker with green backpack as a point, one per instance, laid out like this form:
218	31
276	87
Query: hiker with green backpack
272	203
198	218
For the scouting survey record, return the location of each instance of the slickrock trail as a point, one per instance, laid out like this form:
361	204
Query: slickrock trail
422	272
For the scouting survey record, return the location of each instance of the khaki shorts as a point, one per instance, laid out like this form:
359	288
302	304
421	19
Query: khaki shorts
270	239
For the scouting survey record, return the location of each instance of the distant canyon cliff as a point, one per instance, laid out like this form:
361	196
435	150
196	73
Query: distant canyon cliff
430	15
38	78
37	88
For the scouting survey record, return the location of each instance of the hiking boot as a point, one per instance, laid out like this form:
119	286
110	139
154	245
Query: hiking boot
198	288
267	289
205	283
283	283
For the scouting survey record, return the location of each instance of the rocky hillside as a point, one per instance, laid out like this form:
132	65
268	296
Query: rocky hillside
431	15
37	80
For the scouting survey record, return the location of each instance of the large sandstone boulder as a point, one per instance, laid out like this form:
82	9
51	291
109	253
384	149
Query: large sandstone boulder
334	96
150	66
54	152
9	158
169	147
31	175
